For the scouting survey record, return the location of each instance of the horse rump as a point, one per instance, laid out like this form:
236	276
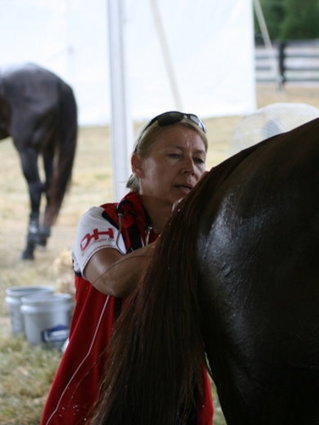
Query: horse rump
38	110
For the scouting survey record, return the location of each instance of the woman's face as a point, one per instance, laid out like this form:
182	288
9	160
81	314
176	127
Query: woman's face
175	163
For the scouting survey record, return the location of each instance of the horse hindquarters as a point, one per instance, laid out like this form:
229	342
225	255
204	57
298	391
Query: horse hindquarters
260	291
40	115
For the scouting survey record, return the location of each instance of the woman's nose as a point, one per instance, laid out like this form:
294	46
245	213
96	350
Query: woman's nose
189	166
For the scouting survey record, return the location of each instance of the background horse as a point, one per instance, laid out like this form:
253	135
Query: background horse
38	110
235	275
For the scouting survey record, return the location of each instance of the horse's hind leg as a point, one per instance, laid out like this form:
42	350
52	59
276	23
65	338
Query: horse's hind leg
45	225
29	162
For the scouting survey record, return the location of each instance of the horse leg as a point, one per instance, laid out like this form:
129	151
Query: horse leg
45	226
29	162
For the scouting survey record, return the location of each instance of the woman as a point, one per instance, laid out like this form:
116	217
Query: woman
113	247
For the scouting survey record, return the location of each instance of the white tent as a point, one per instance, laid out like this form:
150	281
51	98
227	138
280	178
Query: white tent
177	54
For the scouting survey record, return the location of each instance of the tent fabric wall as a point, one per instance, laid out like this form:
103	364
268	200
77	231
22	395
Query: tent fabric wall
212	53
210	44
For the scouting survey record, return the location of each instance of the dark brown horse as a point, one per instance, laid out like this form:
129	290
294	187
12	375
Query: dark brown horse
38	110
235	275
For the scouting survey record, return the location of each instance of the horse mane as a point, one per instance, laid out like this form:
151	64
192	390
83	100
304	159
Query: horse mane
157	351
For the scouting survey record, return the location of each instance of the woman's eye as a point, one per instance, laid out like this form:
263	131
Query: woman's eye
174	155
199	160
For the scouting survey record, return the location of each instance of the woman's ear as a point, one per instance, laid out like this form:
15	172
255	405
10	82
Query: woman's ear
137	165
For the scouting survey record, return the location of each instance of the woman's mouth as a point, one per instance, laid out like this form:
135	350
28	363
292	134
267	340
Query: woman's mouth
184	188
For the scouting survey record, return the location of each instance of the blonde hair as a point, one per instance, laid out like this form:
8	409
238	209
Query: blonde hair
147	138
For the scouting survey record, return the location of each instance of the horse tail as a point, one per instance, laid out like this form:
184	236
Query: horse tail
65	149
157	351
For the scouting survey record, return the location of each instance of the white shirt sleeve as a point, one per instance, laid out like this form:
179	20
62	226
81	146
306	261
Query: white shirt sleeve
94	232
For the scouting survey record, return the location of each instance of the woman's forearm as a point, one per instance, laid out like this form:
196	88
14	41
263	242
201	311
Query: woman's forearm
115	274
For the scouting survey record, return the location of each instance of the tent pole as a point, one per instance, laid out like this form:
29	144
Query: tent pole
121	134
268	44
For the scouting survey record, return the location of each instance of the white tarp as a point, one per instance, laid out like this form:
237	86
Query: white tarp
210	46
211	49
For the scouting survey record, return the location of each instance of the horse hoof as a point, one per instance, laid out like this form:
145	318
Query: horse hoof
42	242
42	236
27	255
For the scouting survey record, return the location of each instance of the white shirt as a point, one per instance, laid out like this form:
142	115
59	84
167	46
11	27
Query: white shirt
94	232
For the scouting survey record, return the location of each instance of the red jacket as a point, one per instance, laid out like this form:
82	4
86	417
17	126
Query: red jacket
76	385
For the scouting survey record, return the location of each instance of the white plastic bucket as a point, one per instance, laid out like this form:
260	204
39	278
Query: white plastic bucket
47	319
13	300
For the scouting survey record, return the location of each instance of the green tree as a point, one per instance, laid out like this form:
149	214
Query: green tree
301	20
274	14
290	19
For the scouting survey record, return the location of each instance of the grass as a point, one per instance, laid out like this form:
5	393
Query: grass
26	372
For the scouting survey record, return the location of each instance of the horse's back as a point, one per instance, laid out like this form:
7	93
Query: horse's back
30	101
260	277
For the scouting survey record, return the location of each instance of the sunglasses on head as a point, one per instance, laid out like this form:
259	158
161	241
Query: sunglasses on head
173	117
